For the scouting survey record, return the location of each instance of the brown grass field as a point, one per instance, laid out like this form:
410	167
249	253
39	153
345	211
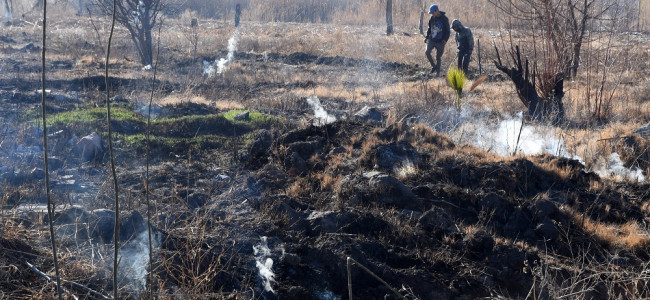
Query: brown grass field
565	223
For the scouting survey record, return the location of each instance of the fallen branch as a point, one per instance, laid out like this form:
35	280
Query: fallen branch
352	261
614	138
78	285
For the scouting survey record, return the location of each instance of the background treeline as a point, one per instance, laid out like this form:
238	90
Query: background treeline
632	14
475	13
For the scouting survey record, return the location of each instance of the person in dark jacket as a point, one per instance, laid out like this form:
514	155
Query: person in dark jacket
465	43
437	36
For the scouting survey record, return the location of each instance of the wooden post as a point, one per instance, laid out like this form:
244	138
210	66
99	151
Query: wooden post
638	22
421	22
389	17
480	67
237	14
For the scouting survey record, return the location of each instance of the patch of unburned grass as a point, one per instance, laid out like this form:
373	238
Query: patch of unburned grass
97	114
161	143
95	118
254	117
629	235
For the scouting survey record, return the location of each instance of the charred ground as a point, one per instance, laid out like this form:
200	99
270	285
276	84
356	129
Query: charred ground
437	219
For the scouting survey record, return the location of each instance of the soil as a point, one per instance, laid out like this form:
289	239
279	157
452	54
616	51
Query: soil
433	219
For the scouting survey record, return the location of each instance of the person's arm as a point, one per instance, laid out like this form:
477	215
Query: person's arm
445	29
470	40
428	29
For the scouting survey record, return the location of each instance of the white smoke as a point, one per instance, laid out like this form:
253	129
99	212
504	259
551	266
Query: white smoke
510	136
613	167
8	16
320	112
264	264
222	63
208	68
134	261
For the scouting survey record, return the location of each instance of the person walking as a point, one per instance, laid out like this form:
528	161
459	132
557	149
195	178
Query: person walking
465	43
437	36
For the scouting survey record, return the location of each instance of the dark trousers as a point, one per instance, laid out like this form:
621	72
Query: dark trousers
440	48
463	60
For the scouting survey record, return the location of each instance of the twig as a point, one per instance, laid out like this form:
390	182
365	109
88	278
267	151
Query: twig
50	210
49	279
153	84
116	231
90	16
78	285
614	138
576	293
519	136
352	261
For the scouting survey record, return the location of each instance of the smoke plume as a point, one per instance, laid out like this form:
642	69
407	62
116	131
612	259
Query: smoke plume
613	167
220	65
134	261
511	135
264	264
319	112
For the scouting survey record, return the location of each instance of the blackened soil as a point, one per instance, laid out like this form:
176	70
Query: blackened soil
472	227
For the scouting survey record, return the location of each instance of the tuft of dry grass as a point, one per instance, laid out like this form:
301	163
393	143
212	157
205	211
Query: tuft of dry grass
629	235
299	188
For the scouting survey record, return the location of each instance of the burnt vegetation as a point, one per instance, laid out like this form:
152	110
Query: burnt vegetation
294	154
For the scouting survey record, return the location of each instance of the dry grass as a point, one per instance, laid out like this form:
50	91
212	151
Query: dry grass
629	235
426	97
298	188
328	181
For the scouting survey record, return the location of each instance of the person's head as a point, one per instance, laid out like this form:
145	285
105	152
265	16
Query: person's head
434	10
456	25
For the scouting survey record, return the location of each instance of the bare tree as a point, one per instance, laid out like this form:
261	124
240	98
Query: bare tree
139	17
541	93
554	32
564	21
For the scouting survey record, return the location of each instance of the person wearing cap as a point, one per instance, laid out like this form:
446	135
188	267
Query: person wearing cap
465	43
437	36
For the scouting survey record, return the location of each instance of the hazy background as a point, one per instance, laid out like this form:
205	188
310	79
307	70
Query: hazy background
475	13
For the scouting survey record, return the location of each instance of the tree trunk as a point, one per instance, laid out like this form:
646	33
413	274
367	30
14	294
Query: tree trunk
8	13
421	25
549	107
389	17
575	61
148	47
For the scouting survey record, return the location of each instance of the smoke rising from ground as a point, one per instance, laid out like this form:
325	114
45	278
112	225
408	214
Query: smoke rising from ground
264	264
613	167
511	135
221	64
319	112
134	262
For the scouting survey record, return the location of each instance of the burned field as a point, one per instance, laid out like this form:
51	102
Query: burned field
267	175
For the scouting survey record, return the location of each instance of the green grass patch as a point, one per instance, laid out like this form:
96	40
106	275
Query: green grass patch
173	144
255	117
190	118
164	130
95	114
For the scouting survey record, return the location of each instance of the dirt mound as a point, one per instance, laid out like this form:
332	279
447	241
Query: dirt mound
447	221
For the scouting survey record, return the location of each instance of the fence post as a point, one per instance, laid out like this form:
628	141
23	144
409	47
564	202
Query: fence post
389	17
237	14
480	67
